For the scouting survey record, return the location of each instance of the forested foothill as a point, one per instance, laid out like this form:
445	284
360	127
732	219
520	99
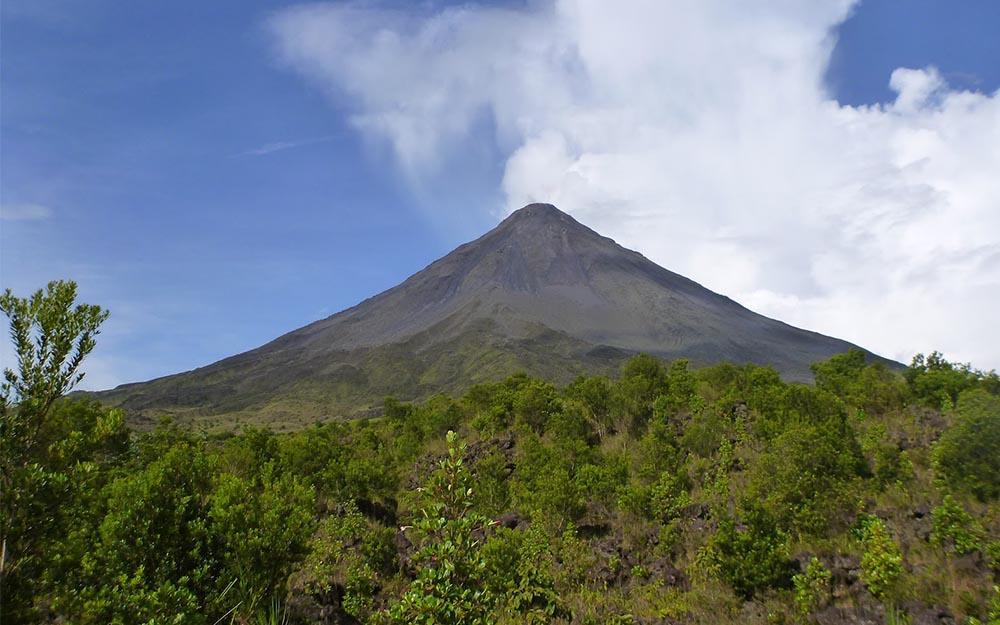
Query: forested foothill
666	494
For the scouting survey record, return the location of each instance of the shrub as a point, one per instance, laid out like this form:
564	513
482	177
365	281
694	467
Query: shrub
750	556
872	388
543	484
967	457
952	526
812	586
643	379
804	478
261	527
881	560
593	394
938	383
450	587
518	565
155	553
351	552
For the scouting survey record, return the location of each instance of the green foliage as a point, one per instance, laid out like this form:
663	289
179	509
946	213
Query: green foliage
351	552
812	586
154	542
544	484
593	394
643	380
493	404
535	403
450	586
600	483
805	476
938	383
992	552
620	497
881	560
262	527
870	387
662	500
750	555
492	493
518	574
39	450
51	338
952	526
967	458
888	463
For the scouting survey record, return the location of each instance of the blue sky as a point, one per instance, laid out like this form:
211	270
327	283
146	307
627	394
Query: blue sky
214	191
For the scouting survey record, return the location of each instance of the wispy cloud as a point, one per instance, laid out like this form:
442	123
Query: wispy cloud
24	212
280	146
699	132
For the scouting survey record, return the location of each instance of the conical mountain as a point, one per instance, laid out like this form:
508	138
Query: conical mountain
540	293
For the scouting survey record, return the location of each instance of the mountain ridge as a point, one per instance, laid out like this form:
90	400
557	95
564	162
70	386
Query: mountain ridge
539	292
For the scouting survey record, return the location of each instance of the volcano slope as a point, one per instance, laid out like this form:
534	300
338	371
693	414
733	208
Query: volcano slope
540	293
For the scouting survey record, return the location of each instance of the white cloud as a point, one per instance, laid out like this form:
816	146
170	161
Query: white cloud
24	212
281	146
700	133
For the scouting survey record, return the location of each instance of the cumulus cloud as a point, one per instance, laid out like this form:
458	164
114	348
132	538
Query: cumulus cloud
700	133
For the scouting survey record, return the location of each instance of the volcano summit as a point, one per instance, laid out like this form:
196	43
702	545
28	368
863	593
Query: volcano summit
539	293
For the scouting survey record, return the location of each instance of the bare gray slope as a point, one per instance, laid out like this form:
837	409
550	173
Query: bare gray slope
537	292
541	266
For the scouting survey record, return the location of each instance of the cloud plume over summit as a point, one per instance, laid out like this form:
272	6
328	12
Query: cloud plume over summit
701	133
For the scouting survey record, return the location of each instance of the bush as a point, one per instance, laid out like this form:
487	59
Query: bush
938	383
952	526
353	553
881	560
261	527
967	457
750	556
450	587
888	463
804	478
593	394
872	388
642	381
155	553
518	565
812	586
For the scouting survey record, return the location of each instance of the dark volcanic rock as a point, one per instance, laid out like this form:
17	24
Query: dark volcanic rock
540	293
307	608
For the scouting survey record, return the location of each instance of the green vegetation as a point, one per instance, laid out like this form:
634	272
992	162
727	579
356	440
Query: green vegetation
666	494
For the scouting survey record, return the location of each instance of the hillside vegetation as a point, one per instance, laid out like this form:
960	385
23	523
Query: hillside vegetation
664	494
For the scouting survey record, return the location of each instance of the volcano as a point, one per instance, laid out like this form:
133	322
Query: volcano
540	293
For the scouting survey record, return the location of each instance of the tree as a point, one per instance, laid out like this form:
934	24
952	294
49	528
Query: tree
450	588
643	379
881	559
51	338
938	383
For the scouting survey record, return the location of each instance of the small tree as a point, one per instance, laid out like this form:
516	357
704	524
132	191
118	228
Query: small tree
812	586
51	338
450	588
881	560
952	526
